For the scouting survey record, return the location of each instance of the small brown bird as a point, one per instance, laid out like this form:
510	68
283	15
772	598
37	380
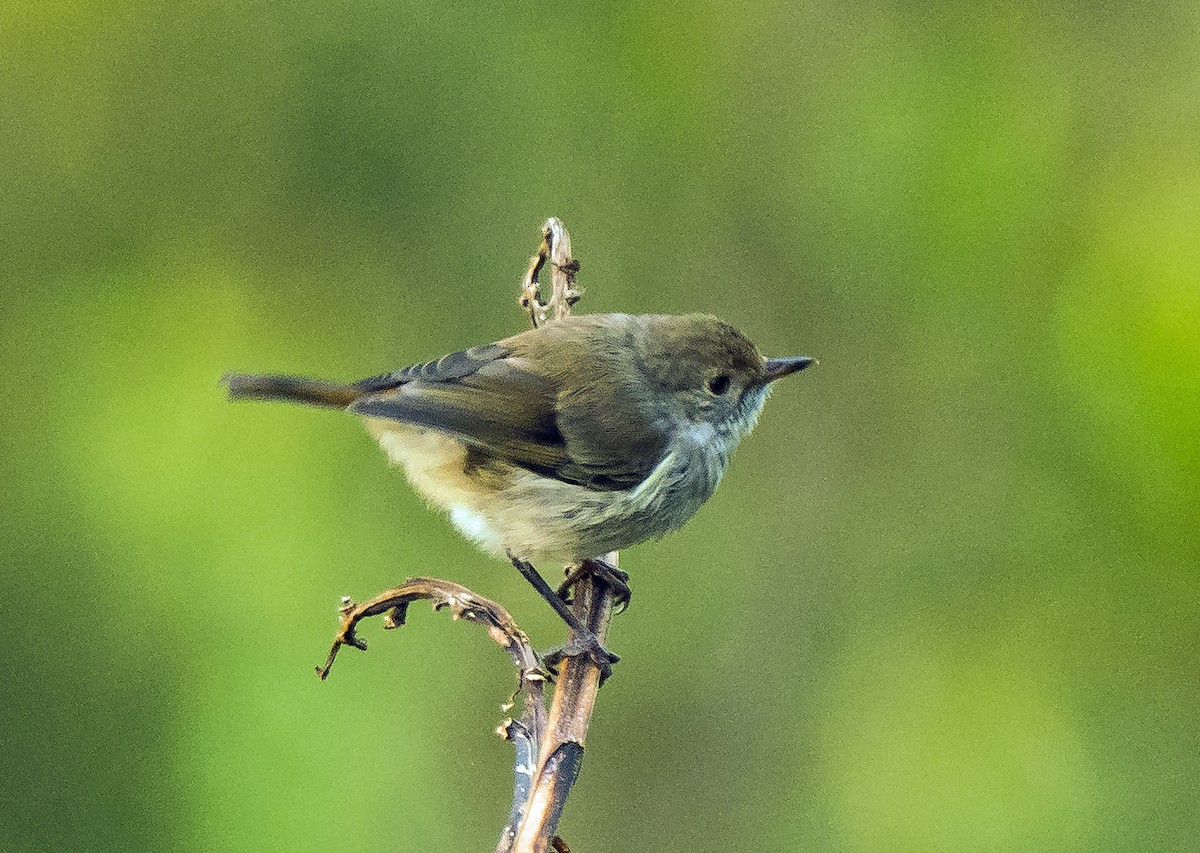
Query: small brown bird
565	442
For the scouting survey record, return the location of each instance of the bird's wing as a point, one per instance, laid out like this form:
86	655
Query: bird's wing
492	402
611	440
499	409
456	365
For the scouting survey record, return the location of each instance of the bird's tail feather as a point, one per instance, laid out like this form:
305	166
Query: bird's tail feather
293	389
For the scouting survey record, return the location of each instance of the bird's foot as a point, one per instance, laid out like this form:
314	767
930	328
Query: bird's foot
614	578
588	645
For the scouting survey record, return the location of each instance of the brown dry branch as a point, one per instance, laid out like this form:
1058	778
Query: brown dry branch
562	748
579	678
548	750
525	733
555	249
462	604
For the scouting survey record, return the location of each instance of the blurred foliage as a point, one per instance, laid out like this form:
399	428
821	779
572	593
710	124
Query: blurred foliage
946	598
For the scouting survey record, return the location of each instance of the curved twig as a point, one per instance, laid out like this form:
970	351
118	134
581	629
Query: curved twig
525	733
555	248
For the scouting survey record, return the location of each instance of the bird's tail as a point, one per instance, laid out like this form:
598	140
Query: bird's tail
290	388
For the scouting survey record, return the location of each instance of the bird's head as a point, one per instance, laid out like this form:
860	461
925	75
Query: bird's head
713	374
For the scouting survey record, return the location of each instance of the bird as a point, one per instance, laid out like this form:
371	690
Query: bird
565	442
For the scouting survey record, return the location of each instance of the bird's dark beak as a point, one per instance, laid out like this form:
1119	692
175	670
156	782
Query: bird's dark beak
776	368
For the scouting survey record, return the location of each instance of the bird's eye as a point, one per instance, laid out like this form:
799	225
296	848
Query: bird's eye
717	385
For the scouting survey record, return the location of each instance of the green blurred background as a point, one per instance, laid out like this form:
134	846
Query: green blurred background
947	596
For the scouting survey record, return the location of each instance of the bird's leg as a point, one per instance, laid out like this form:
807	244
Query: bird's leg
617	580
588	645
531	574
583	641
